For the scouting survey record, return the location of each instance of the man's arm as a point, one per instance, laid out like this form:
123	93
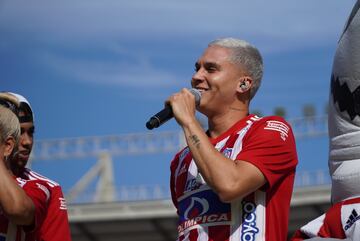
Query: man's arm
229	179
17	206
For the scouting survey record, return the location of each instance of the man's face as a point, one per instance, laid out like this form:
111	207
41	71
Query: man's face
216	77
25	143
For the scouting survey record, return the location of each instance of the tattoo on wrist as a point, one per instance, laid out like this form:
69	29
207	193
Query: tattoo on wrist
195	140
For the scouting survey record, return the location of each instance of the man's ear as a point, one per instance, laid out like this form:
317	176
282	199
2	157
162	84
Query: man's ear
244	84
9	146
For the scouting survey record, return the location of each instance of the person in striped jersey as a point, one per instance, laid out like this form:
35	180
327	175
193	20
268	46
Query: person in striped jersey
23	204
235	180
56	225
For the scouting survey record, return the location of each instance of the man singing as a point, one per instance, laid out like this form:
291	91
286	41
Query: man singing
235	180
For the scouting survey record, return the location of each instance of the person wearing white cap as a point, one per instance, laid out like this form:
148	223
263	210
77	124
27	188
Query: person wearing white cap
55	226
23	203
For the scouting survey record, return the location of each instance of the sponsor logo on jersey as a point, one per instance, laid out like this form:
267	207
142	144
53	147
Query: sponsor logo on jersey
249	228
354	216
62	203
202	208
198	207
191	185
278	126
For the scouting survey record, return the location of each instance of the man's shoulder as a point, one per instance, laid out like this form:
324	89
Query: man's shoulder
274	118
268	127
272	122
32	175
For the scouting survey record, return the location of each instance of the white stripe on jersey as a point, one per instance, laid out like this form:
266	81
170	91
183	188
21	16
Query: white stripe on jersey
11	232
236	214
36	176
221	143
312	228
203	233
260	200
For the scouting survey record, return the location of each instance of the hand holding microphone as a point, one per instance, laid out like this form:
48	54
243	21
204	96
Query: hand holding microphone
167	113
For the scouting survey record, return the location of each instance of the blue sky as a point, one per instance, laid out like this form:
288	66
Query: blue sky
94	68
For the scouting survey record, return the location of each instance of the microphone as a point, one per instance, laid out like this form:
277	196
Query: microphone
166	114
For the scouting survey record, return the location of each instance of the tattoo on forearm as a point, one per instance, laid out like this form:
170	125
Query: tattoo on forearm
195	140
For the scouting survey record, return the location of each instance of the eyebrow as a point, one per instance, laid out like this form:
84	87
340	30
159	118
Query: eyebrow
212	64
208	64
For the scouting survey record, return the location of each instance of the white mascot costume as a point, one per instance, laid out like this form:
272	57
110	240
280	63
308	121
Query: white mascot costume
344	113
342	220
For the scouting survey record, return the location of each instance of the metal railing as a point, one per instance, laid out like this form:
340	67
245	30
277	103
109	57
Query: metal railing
162	192
147	144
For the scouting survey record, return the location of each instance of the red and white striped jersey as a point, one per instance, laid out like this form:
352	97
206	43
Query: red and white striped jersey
267	143
56	224
39	192
341	221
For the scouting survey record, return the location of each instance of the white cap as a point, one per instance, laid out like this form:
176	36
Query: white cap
22	100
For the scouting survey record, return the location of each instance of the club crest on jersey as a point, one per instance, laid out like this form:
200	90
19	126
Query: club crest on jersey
249	228
279	127
227	152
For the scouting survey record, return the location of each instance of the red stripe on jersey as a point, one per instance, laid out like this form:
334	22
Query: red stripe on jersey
193	235
182	176
217	233
230	142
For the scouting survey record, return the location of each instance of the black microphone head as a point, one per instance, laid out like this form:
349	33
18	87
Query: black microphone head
151	124
197	95
166	114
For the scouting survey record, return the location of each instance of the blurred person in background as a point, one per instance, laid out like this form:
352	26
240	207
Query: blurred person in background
23	204
235	180
56	225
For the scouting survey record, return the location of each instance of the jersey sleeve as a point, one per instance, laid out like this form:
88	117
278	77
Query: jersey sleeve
39	194
270	146
327	225
56	224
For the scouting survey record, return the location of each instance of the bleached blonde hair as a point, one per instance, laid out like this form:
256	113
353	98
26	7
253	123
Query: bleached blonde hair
245	55
9	127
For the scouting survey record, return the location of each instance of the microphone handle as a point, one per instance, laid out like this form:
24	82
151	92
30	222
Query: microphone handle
160	118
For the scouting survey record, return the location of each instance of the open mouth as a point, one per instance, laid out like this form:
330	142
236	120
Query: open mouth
24	153
201	89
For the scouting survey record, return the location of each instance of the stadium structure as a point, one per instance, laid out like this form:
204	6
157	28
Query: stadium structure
146	213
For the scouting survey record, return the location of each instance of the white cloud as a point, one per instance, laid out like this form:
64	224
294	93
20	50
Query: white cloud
140	74
285	20
273	26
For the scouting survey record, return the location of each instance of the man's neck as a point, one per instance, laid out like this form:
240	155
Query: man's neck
17	171
218	124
